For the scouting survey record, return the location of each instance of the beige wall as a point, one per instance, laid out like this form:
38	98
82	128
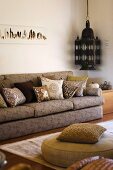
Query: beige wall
63	20
56	17
101	17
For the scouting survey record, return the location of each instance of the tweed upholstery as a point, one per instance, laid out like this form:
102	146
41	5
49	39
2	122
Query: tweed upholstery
19	78
64	154
33	125
93	91
50	107
82	133
58	75
16	113
86	101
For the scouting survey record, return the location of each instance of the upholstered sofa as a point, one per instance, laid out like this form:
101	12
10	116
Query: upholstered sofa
35	117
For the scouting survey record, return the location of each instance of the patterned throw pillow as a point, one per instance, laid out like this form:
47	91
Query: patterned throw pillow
82	133
78	78
2	102
73	88
69	89
41	93
13	96
54	88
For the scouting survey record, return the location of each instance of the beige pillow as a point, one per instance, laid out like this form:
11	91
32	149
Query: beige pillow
2	102
41	93
82	133
13	96
54	87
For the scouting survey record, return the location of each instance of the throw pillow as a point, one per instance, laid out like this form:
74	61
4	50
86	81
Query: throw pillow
13	96
27	89
41	93
54	88
2	102
73	88
70	88
78	78
82	133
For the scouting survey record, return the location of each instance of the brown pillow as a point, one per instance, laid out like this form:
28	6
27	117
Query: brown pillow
82	163
82	133
41	93
27	89
100	164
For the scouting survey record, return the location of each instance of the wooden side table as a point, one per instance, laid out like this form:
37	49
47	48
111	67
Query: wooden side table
108	97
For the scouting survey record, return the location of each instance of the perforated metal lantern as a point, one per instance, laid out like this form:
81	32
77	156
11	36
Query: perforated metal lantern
87	48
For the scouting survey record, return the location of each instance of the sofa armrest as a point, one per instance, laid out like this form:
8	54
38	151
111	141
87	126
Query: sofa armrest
92	91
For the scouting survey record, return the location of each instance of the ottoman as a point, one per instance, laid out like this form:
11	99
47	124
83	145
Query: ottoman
63	154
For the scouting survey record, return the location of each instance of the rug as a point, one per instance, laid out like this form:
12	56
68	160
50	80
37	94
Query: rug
31	148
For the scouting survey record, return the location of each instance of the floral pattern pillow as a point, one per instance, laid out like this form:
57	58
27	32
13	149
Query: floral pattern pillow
41	93
54	88
13	96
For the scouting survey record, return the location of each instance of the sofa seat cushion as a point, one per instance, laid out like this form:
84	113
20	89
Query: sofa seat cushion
86	101
50	107
16	113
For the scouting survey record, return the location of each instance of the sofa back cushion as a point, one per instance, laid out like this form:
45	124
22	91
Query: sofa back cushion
9	79
20	78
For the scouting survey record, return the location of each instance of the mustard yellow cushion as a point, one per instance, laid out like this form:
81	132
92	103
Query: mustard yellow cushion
82	133
77	78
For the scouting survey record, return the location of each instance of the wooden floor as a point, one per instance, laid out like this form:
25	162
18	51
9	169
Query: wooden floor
14	159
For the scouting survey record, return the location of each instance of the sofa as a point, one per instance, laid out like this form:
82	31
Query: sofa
35	117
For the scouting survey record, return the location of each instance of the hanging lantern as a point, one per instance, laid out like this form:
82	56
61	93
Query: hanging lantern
87	48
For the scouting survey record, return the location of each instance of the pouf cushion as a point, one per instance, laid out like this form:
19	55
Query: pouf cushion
64	154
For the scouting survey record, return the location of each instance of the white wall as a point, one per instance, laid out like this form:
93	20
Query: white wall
78	23
63	20
101	17
56	17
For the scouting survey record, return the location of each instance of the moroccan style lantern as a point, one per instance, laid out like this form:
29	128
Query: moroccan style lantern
87	48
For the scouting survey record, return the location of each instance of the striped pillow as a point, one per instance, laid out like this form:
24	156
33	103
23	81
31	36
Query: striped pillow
2	102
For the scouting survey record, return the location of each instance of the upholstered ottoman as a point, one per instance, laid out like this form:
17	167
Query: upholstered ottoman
64	154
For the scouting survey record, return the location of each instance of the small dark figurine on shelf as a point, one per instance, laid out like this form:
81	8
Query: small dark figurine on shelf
106	86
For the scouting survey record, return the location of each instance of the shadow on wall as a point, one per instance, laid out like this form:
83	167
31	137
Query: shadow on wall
98	80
